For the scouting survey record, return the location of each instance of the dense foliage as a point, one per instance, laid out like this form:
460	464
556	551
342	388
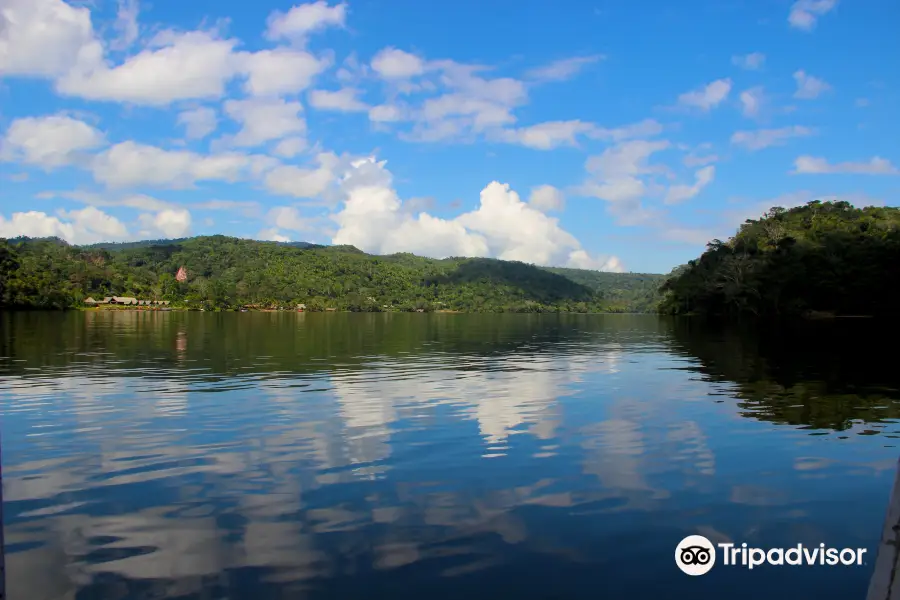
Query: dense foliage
623	292
228	272
826	257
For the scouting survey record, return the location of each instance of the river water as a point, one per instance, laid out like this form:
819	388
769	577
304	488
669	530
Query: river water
385	456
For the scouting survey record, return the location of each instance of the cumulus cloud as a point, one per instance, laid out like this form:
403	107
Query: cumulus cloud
752	101
86	226
562	70
132	164
453	101
874	166
751	62
280	71
302	20
45	38
546	136
763	138
681	192
809	87
175	66
372	218
169	223
386	113
198	122
617	175
287	217
394	64
805	13
290	147
50	38
272	235
546	198
343	100
288	180
707	97
49	142
265	119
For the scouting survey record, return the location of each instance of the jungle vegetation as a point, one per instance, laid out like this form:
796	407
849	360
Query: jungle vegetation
824	258
225	273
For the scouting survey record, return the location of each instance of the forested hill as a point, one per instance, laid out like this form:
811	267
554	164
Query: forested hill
628	292
825	257
224	272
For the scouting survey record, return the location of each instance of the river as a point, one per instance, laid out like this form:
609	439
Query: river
384	456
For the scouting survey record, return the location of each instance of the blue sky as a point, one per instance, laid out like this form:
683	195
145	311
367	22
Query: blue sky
606	134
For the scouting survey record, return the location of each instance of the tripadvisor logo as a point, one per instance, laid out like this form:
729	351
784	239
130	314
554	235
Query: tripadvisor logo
696	555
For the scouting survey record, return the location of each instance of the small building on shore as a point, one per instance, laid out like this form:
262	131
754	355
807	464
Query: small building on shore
125	301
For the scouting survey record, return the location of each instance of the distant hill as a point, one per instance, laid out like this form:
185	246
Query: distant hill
824	258
146	243
225	272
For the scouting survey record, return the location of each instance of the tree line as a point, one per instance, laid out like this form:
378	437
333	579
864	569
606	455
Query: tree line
824	258
226	273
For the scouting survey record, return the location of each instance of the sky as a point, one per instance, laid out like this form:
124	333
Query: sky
618	135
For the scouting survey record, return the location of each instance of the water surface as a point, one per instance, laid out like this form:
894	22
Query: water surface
264	456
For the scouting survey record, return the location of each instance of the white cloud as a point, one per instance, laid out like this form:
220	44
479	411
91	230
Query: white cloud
265	119
751	62
49	142
272	235
618	169
136	201
175	66
126	25
805	13
343	100
287	217
763	138
681	192
467	105
809	87
546	198
132	164
564	69
45	38
386	113
622	176
875	166
373	219
394	64
707	97
170	223
86	226
580	259
696	160
641	129
198	122
752	101
304	19
280	71
546	136
290	147
303	183
862	102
